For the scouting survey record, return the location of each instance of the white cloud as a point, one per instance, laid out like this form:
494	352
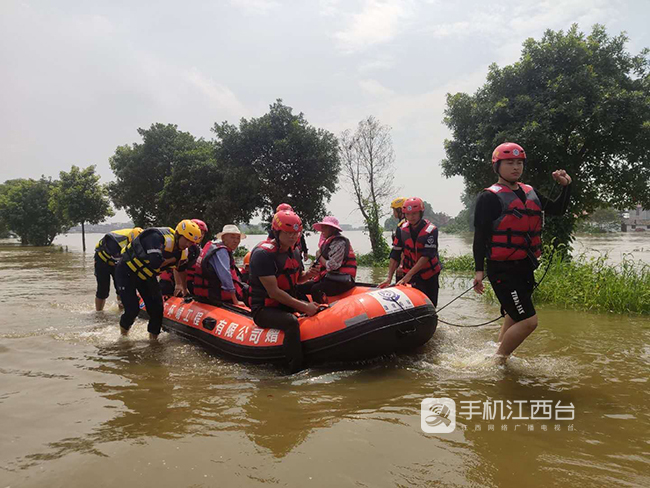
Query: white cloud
383	63
375	88
220	96
379	21
256	7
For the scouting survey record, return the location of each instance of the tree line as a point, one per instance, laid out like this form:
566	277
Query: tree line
573	101
38	210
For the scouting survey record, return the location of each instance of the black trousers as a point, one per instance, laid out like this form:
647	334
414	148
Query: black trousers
429	287
128	286
325	287
284	320
104	273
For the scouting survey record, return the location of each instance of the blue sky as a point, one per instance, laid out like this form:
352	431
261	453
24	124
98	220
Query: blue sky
78	78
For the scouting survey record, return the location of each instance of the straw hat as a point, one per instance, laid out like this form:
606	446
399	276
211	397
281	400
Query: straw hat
231	229
330	221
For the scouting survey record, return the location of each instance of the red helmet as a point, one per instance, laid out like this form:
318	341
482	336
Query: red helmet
413	204
202	225
508	150
284	206
287	221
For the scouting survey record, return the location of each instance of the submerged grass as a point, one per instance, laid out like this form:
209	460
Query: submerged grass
590	283
594	284
579	283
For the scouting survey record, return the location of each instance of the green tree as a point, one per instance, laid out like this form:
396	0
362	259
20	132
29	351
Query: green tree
581	103
79	198
605	217
25	210
141	171
205	189
461	222
369	165
279	157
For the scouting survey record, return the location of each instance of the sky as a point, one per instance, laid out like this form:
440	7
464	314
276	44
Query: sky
78	78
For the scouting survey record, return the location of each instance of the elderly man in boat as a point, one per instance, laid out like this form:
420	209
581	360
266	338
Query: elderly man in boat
216	277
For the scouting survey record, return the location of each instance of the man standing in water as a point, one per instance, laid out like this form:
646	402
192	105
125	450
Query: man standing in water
508	226
417	241
153	251
107	253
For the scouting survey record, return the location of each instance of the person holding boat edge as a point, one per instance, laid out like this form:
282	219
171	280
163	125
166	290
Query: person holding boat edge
417	240
153	251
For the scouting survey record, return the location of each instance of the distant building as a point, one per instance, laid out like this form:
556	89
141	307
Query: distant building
636	220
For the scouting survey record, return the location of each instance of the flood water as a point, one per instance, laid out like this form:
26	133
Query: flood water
80	406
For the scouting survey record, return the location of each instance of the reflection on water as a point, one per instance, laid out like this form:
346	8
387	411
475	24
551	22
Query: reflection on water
81	406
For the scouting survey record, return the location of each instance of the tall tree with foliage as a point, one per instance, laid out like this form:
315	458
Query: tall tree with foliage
203	188
279	157
574	102
25	211
79	198
141	171
368	165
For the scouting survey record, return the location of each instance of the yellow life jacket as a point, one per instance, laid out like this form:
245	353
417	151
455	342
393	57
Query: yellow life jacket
122	237
137	259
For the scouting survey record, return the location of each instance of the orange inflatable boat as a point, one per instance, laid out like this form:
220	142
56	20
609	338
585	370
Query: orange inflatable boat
361	324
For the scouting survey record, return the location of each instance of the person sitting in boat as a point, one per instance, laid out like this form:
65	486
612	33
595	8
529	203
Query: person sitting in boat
275	272
302	242
153	251
396	206
246	268
107	254
179	281
417	240
216	277
335	263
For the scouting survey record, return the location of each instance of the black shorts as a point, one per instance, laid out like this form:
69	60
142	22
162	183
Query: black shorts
103	273
514	290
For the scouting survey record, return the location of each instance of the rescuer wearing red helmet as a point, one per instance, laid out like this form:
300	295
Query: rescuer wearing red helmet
302	243
417	240
275	271
508	226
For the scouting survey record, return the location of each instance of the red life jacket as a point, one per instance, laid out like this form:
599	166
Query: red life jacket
206	280
191	269
413	250
287	272
168	276
517	232
349	264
